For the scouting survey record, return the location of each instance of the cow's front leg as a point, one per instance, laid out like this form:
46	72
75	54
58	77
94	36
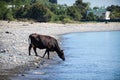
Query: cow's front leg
34	48
30	46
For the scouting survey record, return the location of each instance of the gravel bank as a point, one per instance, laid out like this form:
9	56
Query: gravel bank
14	39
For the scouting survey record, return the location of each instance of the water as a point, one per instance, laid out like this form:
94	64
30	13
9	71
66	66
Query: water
89	56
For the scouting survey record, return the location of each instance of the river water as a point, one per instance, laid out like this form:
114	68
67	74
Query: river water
89	56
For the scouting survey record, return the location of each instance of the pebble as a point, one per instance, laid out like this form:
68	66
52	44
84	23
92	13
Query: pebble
4	50
36	64
22	75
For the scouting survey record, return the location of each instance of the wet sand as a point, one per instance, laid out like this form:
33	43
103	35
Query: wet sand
14	41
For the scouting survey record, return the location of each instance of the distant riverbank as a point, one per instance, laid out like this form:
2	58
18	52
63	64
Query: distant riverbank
14	39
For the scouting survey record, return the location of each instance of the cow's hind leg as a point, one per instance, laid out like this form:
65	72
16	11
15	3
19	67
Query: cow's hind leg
34	48
44	54
48	54
30	46
47	51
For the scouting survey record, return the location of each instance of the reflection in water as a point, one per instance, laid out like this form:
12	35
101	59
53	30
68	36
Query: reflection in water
89	56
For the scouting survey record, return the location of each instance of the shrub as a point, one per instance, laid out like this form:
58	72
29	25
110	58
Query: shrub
9	15
38	12
91	17
54	18
2	9
48	15
67	20
22	12
73	13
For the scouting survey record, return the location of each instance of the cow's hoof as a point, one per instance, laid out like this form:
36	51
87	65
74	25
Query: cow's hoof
42	57
48	58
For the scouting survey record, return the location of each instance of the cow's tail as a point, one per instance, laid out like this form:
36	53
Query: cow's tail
29	40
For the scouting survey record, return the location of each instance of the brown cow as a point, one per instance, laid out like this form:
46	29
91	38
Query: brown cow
44	42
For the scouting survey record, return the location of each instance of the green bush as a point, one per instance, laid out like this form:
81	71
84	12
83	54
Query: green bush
9	15
73	12
54	18
3	9
48	15
115	11
91	16
39	13
67	20
43	11
22	12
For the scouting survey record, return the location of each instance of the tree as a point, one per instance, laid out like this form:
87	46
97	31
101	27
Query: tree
95	7
83	7
39	13
22	12
115	11
8	15
6	0
54	8
73	13
3	9
53	1
17	3
61	9
91	16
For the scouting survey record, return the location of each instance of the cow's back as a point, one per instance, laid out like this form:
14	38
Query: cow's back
43	41
36	41
49	42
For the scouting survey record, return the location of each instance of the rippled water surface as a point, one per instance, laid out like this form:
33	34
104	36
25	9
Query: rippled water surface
89	56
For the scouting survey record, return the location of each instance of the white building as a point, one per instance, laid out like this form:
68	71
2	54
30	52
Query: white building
101	13
107	15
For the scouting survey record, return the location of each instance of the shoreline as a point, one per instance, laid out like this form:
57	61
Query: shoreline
14	35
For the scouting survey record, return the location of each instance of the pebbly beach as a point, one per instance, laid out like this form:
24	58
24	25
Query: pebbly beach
14	39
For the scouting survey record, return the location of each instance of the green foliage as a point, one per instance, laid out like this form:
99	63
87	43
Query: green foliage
42	10
53	8
61	17
2	9
74	13
39	12
82	7
23	12
115	11
48	15
94	8
61	9
91	16
6	0
9	15
53	1
67	20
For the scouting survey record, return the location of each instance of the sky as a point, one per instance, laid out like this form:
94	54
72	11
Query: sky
99	3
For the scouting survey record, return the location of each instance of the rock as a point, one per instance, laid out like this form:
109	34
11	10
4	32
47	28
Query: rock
4	50
25	24
37	67
7	32
22	75
39	73
36	64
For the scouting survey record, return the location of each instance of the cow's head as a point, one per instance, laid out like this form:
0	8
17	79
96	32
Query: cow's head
61	55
